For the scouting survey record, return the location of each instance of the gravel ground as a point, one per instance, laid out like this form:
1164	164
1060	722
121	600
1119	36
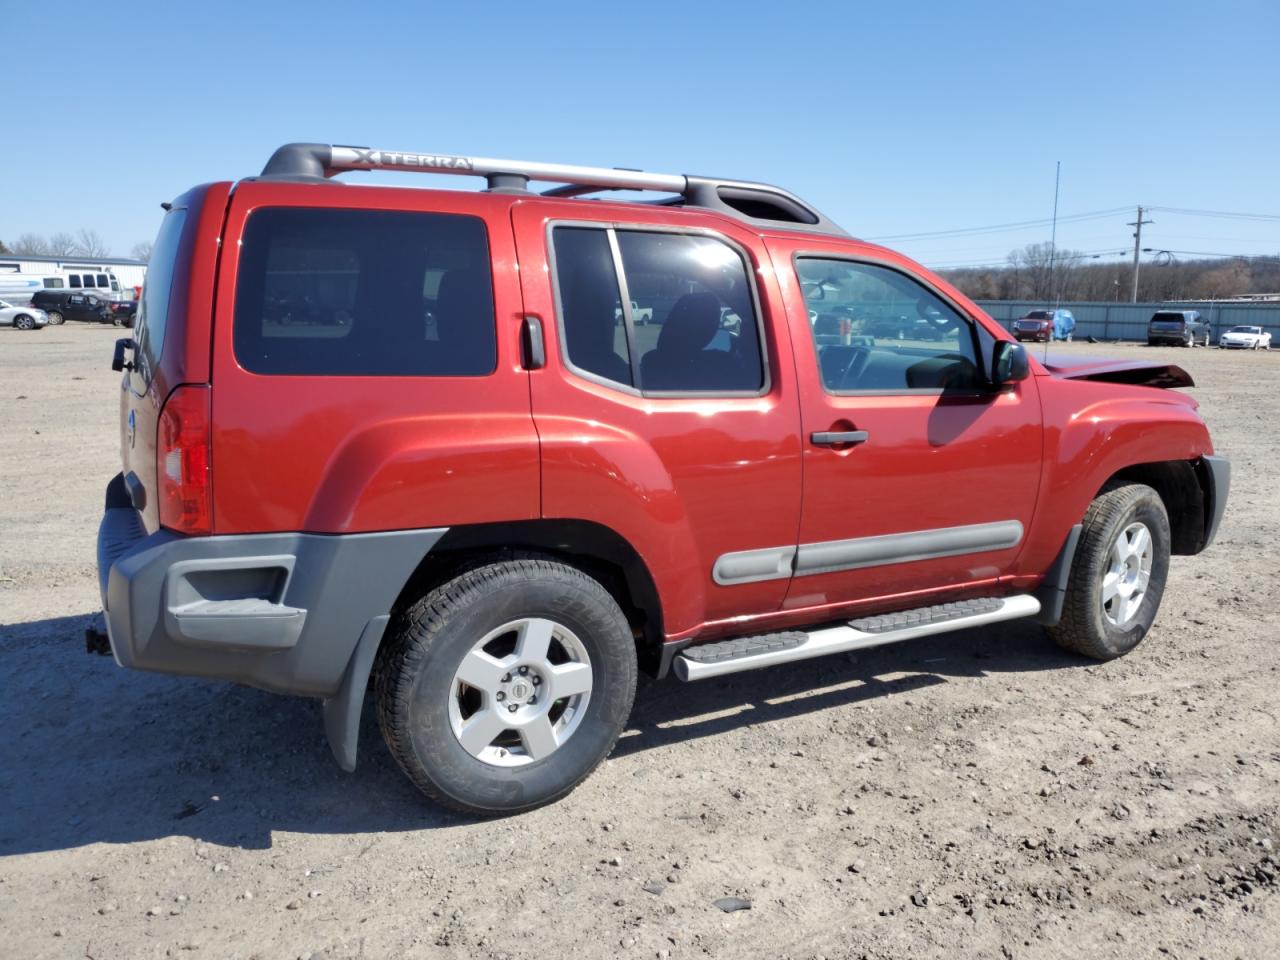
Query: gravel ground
980	794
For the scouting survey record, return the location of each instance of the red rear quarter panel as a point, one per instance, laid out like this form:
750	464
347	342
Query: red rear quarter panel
355	454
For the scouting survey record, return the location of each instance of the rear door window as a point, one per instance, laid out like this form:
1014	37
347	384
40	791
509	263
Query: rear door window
327	292
689	325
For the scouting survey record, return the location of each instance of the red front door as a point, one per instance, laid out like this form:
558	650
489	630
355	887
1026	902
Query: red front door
918	478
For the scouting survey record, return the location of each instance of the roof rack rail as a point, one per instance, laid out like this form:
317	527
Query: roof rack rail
757	203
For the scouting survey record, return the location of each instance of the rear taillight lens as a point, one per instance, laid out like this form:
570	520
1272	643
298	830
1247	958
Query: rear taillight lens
182	454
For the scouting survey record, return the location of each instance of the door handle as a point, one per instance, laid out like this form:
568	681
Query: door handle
831	439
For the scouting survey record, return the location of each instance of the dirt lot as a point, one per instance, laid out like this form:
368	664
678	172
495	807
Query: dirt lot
977	795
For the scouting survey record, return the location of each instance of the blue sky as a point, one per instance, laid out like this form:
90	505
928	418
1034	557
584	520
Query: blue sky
893	119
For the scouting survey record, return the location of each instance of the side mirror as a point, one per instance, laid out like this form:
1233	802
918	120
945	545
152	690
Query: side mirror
1009	363
118	361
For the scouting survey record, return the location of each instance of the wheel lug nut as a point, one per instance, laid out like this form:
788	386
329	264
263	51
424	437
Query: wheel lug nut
523	671
500	696
537	680
512	707
532	701
506	678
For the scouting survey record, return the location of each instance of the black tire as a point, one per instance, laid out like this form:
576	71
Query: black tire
1084	628
55	318
24	322
418	660
117	320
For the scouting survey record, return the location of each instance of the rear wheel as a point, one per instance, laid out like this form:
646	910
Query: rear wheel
1118	574
56	318
504	688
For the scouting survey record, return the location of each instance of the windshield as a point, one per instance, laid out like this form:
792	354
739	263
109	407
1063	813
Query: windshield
1245	330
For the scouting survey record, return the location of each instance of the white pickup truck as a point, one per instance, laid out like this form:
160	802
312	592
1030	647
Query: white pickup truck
642	315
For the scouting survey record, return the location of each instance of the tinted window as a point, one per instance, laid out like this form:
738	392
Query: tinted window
590	308
879	330
74	280
103	282
704	336
691	326
153	307
54	283
364	293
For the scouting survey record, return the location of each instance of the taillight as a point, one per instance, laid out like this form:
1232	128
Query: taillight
182	453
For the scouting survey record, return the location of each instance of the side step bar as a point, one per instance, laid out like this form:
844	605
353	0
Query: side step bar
749	653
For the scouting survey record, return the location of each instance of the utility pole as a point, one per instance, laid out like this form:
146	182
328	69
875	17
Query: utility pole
1137	247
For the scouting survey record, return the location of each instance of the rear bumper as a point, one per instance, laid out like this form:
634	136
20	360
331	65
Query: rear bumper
281	611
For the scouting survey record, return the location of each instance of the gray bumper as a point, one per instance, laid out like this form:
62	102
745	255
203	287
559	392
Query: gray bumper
283	612
1217	473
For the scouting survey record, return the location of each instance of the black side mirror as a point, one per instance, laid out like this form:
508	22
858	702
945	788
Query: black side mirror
118	362
1009	363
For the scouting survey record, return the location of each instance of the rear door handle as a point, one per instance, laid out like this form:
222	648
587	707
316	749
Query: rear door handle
830	439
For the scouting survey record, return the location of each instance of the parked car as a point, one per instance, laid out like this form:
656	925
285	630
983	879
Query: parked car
1245	338
1178	327
63	305
122	312
1043	325
21	318
502	518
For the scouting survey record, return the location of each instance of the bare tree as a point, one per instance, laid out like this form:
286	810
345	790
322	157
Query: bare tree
32	245
3	248
89	243
62	245
141	251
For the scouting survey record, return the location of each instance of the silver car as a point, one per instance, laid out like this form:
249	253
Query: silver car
24	318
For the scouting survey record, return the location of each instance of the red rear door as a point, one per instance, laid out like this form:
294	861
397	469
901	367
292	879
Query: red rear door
673	422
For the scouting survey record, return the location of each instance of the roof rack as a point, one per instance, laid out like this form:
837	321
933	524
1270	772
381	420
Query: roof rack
760	204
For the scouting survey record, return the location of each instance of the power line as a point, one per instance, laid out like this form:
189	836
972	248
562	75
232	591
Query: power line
1073	218
1001	227
1216	213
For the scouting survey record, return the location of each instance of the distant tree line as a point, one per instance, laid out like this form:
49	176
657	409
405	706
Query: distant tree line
1039	272
85	243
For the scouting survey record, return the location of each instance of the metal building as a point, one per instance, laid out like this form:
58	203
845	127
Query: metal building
21	275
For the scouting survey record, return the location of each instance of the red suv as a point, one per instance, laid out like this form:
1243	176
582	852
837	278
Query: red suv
421	436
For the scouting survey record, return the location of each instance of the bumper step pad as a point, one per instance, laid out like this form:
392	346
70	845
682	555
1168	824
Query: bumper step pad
766	650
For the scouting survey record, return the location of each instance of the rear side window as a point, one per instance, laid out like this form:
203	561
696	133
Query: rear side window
322	292
681	318
153	307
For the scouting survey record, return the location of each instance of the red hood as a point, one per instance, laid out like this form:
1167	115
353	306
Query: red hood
1138	373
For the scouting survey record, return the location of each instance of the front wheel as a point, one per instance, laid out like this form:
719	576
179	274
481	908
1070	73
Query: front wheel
502	689
1118	574
23	322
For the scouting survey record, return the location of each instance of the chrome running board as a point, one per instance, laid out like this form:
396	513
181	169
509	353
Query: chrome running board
742	653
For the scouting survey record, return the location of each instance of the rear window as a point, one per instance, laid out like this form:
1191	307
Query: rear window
1166	318
324	292
153	308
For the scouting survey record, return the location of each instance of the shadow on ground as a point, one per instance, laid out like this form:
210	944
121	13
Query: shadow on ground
96	754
